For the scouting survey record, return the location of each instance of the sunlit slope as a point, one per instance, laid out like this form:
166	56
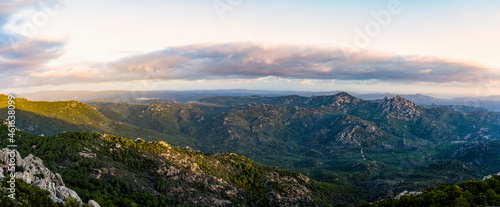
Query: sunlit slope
50	118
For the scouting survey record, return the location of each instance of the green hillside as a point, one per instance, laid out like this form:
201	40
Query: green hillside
116	171
470	193
51	118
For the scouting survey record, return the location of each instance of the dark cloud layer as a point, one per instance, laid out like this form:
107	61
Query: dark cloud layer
249	60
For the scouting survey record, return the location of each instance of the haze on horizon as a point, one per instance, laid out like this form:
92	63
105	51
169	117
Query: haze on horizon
446	47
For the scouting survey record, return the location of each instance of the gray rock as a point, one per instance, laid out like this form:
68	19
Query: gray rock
293	194
1	174
93	203
35	173
406	193
46	185
64	193
490	176
56	199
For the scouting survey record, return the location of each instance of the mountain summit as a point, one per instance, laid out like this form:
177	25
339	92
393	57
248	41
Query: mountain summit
399	108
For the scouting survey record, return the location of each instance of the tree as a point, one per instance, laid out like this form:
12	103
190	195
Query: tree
461	202
72	202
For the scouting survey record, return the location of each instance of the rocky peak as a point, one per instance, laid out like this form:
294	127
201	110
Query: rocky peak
343	97
343	94
335	100
396	103
399	107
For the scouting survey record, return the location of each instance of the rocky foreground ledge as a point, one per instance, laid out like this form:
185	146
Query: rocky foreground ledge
35	173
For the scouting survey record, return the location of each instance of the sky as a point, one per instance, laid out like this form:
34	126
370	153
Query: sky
398	46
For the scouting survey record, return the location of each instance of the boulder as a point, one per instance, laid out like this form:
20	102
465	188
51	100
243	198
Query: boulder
64	193
93	203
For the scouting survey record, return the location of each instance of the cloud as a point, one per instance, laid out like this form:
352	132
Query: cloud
29	54
246	60
251	60
20	55
425	71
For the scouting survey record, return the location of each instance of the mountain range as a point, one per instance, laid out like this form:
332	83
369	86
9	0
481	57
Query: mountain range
367	149
487	102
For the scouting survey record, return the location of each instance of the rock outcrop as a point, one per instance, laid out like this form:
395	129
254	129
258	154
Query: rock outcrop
399	108
32	171
294	192
490	176
406	193
93	203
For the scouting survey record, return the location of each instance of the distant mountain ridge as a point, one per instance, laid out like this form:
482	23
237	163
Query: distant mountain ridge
488	102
